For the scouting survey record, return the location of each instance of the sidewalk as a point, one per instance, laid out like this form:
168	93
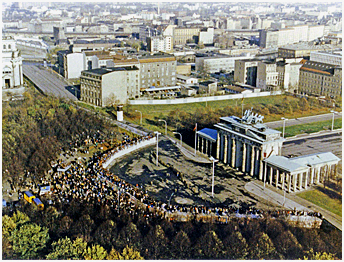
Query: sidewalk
291	201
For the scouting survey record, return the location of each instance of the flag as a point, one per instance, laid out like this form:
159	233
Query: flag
195	128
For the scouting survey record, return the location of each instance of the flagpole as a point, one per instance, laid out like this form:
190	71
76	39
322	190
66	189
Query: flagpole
195	138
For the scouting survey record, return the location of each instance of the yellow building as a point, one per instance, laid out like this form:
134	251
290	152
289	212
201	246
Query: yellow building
320	79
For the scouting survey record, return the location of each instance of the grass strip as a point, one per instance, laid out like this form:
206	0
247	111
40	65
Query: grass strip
322	200
311	127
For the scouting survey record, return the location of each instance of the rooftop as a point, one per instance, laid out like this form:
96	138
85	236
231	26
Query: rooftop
103	71
211	134
284	163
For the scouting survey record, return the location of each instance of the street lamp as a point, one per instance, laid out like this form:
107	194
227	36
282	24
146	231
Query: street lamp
157	148
212	180
169	201
141	116
165	126
181	142
332	111
284	119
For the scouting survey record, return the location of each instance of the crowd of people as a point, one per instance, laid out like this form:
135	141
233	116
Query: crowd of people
95	184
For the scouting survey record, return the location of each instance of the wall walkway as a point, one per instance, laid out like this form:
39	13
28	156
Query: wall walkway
127	150
200	99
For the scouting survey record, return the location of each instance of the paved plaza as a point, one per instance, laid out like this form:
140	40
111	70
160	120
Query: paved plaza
314	143
165	183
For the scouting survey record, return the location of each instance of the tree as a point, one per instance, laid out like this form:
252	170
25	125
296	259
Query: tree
263	248
128	253
287	245
311	255
28	240
8	226
209	246
105	234
155	243
95	252
129	235
180	246
236	246
65	249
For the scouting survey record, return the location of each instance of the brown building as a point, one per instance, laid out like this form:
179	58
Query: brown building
320	79
182	35
157	70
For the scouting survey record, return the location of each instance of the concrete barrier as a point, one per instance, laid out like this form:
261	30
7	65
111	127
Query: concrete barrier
200	99
108	163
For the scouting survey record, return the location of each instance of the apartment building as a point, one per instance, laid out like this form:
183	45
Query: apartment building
290	35
320	79
288	74
216	63
333	58
159	44
71	64
301	50
268	38
267	75
107	86
246	71
157	70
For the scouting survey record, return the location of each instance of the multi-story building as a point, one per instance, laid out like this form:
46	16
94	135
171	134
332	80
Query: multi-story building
12	71
182	35
290	35
157	70
108	86
301	50
246	71
288	74
333	58
320	79
71	64
159	44
216	63
268	38
267	75
206	36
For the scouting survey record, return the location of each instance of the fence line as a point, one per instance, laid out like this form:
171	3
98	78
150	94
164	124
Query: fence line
200	99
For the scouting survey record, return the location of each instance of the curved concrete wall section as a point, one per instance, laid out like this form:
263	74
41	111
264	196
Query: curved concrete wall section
108	163
200	99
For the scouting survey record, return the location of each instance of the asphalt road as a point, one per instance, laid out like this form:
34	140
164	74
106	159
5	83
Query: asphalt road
303	120
326	141
48	82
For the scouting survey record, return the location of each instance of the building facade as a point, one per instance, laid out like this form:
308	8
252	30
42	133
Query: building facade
12	71
159	44
157	70
108	86
246	71
181	35
267	75
320	79
332	58
242	143
216	63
